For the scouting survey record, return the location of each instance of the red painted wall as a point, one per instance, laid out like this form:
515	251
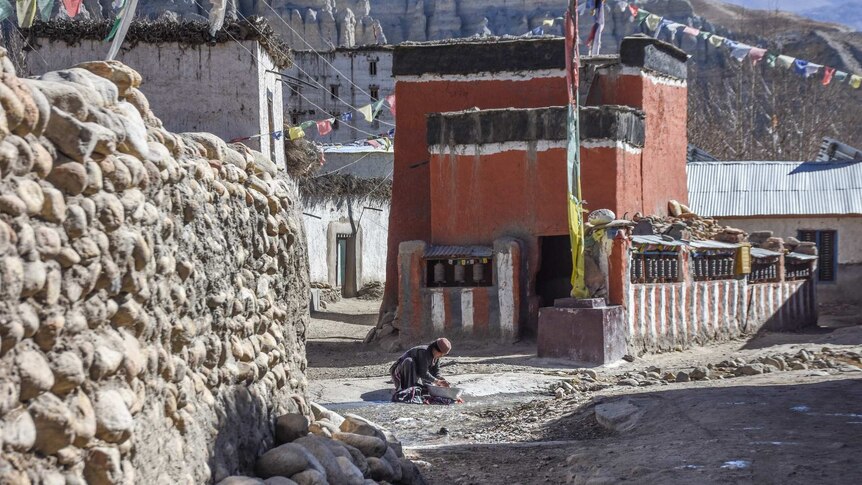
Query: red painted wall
666	108
410	216
476	199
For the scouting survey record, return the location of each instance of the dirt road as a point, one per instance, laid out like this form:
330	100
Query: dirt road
631	422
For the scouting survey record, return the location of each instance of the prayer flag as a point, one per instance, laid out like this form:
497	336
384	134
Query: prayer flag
855	81
367	112
548	22
716	40
622	6
307	124
126	14
653	21
756	54
840	76
770	59
691	31
72	7
295	132
740	52
641	16
634	10
6	9
347	116
373	143
537	31
391	100
26	10
812	69
784	61
45	8
216	16
377	107
827	75
805	68
277	134
324	127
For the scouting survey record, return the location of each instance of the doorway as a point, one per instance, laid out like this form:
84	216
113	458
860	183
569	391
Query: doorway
345	264
554	279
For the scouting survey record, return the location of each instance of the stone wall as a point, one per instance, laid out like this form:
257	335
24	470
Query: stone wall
153	289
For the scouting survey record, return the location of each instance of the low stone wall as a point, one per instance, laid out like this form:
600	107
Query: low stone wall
153	289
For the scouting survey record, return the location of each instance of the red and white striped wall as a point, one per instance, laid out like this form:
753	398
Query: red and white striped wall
665	316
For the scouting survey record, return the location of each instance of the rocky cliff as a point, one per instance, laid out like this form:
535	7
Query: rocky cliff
153	289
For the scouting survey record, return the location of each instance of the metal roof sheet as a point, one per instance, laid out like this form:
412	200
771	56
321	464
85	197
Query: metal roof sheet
727	189
655	240
804	257
710	244
763	253
458	252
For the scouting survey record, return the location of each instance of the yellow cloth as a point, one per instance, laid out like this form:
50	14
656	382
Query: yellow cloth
576	236
716	40
856	81
26	13
785	61
548	22
367	112
295	132
653	21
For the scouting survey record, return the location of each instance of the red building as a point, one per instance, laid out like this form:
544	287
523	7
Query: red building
480	177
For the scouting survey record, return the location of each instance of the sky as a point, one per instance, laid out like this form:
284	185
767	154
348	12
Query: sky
845	12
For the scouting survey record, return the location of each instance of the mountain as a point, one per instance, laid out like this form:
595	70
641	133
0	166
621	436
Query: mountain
844	12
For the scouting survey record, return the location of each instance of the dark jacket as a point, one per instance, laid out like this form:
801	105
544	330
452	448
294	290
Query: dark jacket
427	368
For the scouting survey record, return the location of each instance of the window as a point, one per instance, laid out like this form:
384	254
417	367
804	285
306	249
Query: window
294	119
294	90
827	250
335	124
374	91
333	91
372	67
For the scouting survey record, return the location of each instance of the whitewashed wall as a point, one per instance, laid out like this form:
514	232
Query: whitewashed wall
213	88
845	289
354	64
334	217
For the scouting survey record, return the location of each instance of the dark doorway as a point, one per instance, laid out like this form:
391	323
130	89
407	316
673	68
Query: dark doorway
345	275
554	279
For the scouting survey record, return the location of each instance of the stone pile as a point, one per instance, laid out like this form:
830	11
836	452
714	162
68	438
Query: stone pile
153	289
828	361
767	240
332	449
682	223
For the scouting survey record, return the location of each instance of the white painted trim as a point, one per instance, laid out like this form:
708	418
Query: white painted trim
438	312
483	76
606	143
467	311
494	148
505	293
654	77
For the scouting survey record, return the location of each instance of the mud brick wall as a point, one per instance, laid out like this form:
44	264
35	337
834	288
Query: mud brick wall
153	289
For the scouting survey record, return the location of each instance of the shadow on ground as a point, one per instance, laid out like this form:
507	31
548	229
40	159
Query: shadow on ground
804	432
366	319
819	335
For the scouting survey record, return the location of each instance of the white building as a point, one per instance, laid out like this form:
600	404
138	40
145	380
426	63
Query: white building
811	201
228	88
346	217
337	82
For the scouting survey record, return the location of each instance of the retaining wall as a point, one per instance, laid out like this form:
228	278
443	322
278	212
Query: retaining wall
153	289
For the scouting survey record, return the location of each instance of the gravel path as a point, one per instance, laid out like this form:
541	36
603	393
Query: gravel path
791	426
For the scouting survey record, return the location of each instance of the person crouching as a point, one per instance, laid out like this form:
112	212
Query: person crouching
419	367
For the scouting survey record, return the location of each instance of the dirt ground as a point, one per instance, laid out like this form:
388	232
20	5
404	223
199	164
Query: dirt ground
788	426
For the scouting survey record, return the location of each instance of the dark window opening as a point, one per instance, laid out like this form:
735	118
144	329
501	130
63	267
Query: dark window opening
294	90
333	91
335	124
554	279
294	119
375	92
372	68
345	261
827	251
